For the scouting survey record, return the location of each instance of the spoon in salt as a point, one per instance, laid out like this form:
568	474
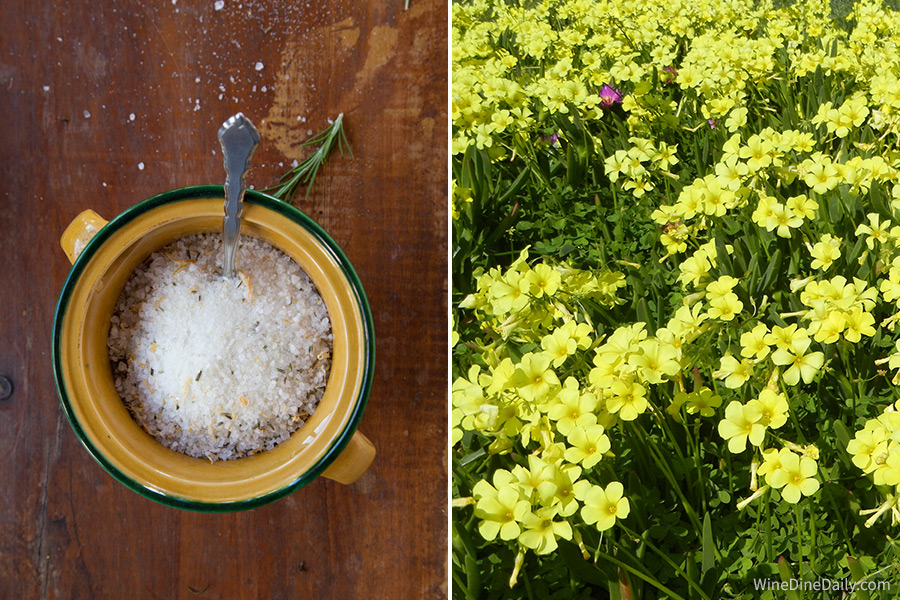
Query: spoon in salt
239	139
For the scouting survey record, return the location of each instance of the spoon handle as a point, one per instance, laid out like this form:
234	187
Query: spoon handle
239	139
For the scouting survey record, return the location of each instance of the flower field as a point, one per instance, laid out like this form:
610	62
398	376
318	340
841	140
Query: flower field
676	299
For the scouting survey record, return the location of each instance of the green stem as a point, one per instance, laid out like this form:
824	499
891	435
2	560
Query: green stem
528	588
730	475
660	418
667	472
792	414
646	577
666	558
770	547
840	521
460	585
700	480
812	538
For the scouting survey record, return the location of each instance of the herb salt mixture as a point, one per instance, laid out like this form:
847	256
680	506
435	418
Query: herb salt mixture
220	368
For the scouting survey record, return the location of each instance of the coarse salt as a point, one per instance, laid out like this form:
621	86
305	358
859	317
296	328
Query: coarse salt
220	368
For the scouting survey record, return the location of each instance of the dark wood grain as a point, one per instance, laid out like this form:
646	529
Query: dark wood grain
107	103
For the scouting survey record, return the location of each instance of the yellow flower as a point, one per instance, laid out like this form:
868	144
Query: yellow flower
725	307
771	462
875	231
533	377
753	342
864	444
510	293
544	279
603	506
741	423
795	477
829	330
854	111
890	287
586	445
825	252
781	219
703	401
821	175
655	361
541	531
757	153
720	287
888	470
628	399
737	118
500	508
802	365
734	372
773	408
694	268
615	164
559	345
716	200
803	207
858	323
665	157
570	407
788	338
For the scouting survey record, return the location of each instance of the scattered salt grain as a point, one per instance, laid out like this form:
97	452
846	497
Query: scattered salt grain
140	166
87	114
131	117
220	368
219	5
259	66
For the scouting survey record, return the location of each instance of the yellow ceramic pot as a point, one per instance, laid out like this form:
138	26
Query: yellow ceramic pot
105	254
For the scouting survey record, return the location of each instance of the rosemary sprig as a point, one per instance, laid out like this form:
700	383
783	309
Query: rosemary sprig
305	172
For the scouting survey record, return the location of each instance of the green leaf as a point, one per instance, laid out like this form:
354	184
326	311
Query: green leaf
708	548
471	457
473	577
306	171
771	273
579	567
722	257
843	436
515	186
784	570
857	574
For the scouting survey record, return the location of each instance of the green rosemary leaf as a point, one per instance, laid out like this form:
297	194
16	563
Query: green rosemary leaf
305	172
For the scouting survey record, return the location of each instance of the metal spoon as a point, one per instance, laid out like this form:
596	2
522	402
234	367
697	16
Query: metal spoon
239	139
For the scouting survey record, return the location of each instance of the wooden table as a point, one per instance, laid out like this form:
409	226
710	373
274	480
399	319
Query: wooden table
107	103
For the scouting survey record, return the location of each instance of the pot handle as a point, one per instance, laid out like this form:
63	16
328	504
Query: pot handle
79	233
353	461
